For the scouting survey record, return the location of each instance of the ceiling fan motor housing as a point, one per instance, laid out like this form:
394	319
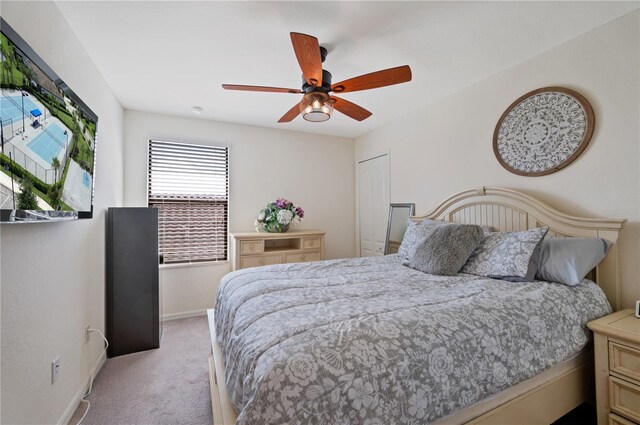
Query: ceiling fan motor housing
324	88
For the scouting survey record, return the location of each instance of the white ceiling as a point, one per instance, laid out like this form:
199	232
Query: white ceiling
171	55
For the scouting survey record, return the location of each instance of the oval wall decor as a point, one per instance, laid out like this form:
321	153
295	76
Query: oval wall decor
543	131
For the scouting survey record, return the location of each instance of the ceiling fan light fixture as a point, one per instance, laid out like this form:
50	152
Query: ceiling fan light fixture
316	107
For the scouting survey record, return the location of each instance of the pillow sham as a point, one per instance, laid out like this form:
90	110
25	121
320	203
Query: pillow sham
414	236
532	268
445	249
428	222
568	260
506	254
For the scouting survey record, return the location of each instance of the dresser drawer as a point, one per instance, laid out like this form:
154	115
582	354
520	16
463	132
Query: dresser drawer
259	260
251	247
618	420
624	398
311	242
624	360
302	257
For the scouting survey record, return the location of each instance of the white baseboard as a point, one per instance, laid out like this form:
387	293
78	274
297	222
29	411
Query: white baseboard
71	409
183	315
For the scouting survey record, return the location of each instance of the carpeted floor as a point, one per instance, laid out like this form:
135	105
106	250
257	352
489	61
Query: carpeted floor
169	385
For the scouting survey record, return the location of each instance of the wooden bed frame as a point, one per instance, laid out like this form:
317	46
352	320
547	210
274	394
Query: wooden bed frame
504	210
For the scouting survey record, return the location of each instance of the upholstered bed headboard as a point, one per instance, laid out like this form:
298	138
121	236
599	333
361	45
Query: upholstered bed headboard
508	210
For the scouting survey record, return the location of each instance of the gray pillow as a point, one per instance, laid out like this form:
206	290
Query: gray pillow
445	249
415	234
568	260
505	254
428	222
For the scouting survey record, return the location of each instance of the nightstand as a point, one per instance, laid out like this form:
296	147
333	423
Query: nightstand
617	357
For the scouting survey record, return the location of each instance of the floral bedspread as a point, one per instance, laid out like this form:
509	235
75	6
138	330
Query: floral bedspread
370	341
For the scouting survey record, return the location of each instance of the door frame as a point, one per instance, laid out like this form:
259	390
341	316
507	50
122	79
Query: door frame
367	157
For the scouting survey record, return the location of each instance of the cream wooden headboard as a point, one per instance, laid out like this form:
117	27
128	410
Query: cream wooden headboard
508	210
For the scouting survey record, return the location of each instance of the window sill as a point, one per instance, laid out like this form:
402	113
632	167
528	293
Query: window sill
199	264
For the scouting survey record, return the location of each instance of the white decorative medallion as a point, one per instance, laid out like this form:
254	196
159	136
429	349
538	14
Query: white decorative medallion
543	131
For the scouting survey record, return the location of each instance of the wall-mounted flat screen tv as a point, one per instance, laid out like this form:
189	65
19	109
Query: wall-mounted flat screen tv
47	140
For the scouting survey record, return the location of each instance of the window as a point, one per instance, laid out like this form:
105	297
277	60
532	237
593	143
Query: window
189	184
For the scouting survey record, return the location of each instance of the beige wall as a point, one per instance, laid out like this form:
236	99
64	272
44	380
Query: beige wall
446	147
52	274
315	172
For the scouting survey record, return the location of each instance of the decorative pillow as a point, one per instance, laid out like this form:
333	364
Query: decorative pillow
429	222
487	229
505	254
568	260
445	249
532	269
415	234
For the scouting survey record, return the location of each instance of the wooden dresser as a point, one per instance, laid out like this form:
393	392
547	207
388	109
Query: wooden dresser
253	249
617	356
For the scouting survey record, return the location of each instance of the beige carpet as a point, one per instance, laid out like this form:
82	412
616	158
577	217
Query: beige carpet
169	385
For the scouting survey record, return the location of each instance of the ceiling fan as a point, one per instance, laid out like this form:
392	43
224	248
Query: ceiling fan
317	104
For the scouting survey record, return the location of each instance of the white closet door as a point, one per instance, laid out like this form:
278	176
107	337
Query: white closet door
373	204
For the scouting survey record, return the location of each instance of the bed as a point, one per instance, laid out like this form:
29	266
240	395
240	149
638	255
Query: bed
358	340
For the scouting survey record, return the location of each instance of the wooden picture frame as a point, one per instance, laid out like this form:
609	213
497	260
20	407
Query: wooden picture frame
513	117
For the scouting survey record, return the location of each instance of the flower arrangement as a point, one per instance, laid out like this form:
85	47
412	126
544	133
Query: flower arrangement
278	215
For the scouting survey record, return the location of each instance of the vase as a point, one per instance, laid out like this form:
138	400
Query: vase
276	228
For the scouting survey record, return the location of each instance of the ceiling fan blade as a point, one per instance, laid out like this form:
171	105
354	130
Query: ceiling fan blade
386	77
291	114
350	109
308	53
260	88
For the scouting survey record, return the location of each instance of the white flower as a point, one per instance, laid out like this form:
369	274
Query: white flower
499	374
361	394
578	336
301	369
285	217
419	403
537	328
440	363
261	216
387	329
526	356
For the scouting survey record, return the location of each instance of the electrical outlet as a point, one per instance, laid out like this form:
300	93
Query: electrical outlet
87	334
55	370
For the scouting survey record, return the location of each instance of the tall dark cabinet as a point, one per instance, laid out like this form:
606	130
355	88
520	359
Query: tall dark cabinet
133	290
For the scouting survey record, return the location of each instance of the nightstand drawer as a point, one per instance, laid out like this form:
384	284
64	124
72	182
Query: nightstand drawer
624	360
624	398
301	258
312	242
259	260
618	420
251	247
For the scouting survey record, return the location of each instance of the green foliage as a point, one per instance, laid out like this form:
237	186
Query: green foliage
20	173
55	163
26	198
82	152
55	195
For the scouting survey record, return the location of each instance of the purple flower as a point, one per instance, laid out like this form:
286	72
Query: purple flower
283	203
300	212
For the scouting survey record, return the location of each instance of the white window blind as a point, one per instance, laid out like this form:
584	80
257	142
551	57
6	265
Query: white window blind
189	184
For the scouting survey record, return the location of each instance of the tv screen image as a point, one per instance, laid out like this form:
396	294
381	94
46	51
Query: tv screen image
47	139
